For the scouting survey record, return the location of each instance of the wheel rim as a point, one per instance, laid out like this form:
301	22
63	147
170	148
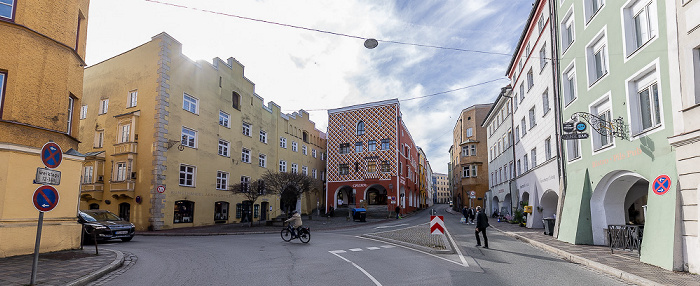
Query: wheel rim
286	235
305	237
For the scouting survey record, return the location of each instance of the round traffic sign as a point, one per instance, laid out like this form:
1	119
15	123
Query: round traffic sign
51	155
160	189
45	198
580	126
661	184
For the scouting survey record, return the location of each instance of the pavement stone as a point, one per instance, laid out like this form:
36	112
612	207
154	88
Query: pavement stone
415	236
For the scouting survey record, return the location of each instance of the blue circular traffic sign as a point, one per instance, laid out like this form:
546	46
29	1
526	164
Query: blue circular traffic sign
661	184
51	155
45	198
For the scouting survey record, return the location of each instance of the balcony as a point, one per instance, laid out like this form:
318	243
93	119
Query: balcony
125	148
91	191
122	189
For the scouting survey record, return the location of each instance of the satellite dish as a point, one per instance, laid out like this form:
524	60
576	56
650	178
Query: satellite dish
371	43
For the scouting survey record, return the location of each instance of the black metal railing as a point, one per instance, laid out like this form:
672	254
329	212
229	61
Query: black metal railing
626	237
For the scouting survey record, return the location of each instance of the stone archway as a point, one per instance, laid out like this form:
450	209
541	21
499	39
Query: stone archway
548	203
343	197
495	205
618	197
507	206
376	195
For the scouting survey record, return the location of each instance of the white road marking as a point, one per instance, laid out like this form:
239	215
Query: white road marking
356	249
360	268
388	246
416	250
337	251
388	226
373	248
459	252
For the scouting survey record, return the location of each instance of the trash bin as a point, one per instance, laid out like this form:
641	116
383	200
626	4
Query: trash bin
359	214
548	225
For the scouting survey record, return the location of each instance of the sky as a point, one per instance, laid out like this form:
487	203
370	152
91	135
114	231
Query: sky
436	56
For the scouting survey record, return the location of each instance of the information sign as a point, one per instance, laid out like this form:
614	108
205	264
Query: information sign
46	176
574	136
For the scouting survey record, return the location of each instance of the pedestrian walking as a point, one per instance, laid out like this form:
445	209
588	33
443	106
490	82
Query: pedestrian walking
465	213
397	210
482	222
472	214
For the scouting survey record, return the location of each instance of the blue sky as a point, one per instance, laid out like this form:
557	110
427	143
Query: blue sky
300	69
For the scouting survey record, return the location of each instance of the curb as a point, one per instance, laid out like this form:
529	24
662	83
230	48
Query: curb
583	261
118	262
411	245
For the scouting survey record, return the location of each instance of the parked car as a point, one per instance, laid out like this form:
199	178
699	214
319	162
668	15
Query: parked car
105	225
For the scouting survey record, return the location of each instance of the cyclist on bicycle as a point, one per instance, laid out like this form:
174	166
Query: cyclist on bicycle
295	222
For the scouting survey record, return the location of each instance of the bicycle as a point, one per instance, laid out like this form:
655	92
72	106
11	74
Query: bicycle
303	234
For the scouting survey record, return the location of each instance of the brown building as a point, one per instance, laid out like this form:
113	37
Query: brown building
470	157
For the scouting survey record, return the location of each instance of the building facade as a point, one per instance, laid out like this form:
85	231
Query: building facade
614	69
41	86
167	137
372	159
535	122
470	157
686	132
502	196
441	186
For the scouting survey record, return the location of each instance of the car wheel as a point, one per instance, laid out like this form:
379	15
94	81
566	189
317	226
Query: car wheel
125	239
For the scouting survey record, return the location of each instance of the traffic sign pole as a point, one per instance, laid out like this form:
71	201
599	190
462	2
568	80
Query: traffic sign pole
35	264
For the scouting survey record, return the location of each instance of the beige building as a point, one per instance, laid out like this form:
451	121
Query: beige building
470	157
167	137
41	82
442	188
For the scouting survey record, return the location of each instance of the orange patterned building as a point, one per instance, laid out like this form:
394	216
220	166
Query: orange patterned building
372	158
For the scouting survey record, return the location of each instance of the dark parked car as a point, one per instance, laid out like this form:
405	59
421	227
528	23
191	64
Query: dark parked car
105	225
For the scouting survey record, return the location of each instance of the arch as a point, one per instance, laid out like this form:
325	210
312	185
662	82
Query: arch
125	211
548	203
495	204
94	206
612	197
343	197
376	195
360	128
525	198
507	205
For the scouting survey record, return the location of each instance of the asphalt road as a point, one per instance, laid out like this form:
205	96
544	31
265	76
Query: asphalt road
343	258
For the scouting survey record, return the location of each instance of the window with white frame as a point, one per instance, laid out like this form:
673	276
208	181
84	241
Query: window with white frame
548	148
262	160
124	132
519	168
7	9
569	85
313	152
283	142
466	171
99	139
533	157
131	101
295	147
104	106
603	111
283	166
543	56
696	70
524	125
190	103
121	172
305	170
470	132
597	58
567	30
187	175
245	182
358	147
530	80
314	173
71	108
540	22
189	137
224	119
573	150
525	163
645	102
465	151
517	134
263	136
591	8
641	23
527	50
371	145
87	175
304	150
385	144
522	91
344	148
224	147
473	149
545	102
474	171
245	128
360	128
245	155
221	180
83	109
295	168
531	113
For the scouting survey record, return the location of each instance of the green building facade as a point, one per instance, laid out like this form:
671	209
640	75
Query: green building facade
613	74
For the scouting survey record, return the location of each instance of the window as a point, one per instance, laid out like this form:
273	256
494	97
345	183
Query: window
305	137
517	134
567	30
262	160
548	148
372	145
474	171
305	170
466	171
314	173
527	50
597	59
385	144
569	85
515	102
189	103
360	128
295	147
522	91
313	153
644	101
224	119
236	100
473	147
184	212
87	175
187	175
245	181
524	125
540	23
343	169
304	150
602	111
640	24
371	166
99	139
649	106
263	136
121	172
530	80
592	7
545	102
543	56
224	148
71	107
283	142
189	137
344	148
245	155
221	180
533	156
386	168
245	127
283	166
104	106
531	113
358	147
519	168
131	101
124	132
696	69
465	151
83	109
572	150
7	9
525	163
470	132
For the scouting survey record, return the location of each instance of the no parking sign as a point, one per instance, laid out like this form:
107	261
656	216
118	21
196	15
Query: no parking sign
661	184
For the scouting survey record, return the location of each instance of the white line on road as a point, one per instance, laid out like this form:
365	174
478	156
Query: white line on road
388	226
358	267
373	248
337	251
356	249
459	252
416	250
388	246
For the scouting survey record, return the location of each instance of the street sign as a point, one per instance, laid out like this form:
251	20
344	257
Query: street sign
46	176
51	155
45	198
160	189
472	195
568	127
580	126
661	184
574	136
437	224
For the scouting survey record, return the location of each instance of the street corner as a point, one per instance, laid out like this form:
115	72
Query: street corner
415	237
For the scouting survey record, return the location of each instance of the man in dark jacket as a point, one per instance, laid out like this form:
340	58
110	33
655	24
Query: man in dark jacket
482	222
465	213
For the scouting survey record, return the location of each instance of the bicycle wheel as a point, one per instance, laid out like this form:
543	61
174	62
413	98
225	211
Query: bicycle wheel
304	236
286	234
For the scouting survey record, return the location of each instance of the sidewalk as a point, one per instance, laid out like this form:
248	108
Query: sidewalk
622	264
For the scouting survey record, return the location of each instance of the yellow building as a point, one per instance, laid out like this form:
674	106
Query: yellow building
41	81
167	136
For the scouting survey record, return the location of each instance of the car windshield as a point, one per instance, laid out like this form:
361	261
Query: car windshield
100	216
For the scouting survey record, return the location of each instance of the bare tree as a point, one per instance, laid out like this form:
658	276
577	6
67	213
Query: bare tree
251	191
297	183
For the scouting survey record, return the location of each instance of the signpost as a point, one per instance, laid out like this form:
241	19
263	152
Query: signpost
437	224
45	197
661	184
